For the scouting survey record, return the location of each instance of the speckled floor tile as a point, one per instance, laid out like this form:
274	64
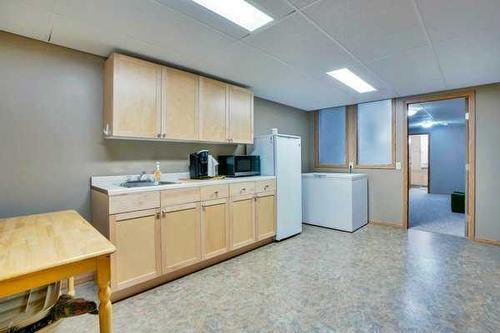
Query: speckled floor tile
378	279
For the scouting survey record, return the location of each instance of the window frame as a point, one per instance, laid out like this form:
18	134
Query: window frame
351	141
317	163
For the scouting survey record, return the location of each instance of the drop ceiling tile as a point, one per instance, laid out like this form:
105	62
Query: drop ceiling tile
161	26
79	35
23	18
370	29
274	80
298	43
450	19
275	9
411	72
302	3
470	61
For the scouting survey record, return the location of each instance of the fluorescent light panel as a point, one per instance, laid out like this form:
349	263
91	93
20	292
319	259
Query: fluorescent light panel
352	80
237	11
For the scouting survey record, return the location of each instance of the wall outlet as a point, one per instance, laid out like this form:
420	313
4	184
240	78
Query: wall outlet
398	165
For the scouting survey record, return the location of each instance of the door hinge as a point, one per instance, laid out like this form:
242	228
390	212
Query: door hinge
467	116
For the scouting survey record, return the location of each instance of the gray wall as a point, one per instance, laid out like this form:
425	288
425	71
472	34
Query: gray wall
50	130
447	158
488	162
272	115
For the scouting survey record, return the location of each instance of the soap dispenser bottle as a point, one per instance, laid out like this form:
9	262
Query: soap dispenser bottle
157	173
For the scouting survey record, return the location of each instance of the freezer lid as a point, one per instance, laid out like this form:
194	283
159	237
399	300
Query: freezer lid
338	175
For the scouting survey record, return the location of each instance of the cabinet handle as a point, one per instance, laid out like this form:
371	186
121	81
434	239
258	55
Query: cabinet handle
163	212
163	135
158	135
157	215
216	193
243	189
266	187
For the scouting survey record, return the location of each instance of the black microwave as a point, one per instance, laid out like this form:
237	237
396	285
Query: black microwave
239	165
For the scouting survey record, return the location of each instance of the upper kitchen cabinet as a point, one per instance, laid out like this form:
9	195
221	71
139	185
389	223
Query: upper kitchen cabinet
213	111
144	100
240	115
132	98
179	104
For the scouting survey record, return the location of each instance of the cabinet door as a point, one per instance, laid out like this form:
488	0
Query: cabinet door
265	215
180	104
180	236
213	110
240	115
242	221
137	240
136	109
215	228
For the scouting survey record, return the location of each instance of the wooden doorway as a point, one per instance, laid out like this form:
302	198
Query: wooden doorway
469	96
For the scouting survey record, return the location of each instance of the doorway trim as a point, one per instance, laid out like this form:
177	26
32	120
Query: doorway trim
470	96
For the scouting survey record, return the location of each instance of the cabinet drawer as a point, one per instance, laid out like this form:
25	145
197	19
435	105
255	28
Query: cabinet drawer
266	185
135	201
214	192
242	188
180	196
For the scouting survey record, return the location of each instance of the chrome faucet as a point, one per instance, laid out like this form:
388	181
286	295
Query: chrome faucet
141	176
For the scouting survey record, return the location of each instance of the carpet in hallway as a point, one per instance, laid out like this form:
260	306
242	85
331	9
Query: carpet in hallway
432	212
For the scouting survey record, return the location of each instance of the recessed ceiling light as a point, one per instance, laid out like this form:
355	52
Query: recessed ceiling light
237	11
413	110
427	124
352	80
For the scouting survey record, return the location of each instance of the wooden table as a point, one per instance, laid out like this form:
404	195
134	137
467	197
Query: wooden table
36	250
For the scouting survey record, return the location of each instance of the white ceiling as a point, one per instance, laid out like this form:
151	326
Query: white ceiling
450	111
401	47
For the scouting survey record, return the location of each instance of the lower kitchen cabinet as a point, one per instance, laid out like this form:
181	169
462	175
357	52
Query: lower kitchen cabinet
180	236
265	215
242	221
215	228
162	235
137	239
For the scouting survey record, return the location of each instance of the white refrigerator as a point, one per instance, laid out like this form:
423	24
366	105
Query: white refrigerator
280	156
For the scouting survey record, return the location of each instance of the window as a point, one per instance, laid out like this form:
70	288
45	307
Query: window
362	134
375	133
331	145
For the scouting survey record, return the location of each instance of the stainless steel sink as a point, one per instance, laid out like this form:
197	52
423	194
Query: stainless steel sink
143	183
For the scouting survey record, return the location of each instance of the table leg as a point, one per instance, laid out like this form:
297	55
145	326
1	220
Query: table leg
103	282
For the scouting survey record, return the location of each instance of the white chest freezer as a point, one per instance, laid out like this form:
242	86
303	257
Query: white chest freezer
335	200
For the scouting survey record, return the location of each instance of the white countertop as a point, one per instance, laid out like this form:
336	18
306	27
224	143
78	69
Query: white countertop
111	184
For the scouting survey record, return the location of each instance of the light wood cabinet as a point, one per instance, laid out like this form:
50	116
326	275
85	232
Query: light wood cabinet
145	100
215	228
195	227
240	115
213	110
137	239
179	105
242	219
180	236
132	97
265	215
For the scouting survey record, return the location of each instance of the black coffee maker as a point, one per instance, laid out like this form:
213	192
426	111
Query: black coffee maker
198	164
